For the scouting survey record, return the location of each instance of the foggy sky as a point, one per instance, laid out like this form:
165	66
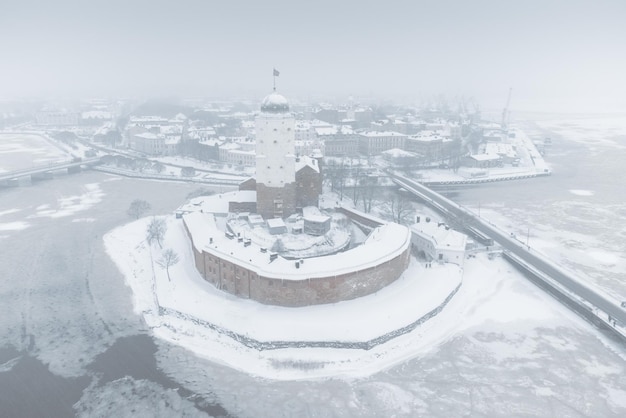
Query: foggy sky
552	52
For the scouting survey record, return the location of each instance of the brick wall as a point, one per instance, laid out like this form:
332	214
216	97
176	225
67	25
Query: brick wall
245	283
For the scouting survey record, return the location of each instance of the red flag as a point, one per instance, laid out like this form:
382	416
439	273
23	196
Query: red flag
276	72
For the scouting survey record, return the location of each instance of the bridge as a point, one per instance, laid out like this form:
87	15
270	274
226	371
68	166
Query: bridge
40	172
538	265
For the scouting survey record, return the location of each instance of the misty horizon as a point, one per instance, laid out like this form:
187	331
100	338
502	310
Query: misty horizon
561	55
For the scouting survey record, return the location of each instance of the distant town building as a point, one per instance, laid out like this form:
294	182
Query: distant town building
428	144
57	118
339	141
375	142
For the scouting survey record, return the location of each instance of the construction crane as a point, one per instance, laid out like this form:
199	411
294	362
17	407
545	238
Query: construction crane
505	112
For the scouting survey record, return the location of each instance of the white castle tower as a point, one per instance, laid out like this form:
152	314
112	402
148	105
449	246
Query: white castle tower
275	158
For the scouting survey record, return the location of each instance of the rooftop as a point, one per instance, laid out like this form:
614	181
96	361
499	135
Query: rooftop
384	243
442	235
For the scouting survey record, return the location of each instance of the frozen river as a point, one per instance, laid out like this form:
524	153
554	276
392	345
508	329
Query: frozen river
71	344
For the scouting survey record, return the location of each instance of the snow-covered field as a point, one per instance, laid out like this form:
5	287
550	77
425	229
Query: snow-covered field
20	151
594	131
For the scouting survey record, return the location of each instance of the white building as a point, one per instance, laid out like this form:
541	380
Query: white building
148	143
57	118
436	241
375	142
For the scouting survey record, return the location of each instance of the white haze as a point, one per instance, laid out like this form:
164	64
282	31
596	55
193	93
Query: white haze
557	55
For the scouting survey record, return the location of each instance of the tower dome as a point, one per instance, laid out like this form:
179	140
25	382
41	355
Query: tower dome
274	103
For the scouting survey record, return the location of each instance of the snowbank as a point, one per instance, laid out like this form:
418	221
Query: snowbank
262	339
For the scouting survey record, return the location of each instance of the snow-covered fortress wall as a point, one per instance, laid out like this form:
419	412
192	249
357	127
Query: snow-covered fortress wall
247	272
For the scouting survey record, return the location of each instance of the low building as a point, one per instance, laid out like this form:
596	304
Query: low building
482	160
401	158
436	241
276	226
315	223
505	151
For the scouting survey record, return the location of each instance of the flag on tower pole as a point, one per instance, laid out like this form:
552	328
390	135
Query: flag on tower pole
276	74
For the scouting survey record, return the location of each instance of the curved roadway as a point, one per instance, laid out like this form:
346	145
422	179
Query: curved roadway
567	279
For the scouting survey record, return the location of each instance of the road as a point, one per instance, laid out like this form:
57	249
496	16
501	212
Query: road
565	278
49	167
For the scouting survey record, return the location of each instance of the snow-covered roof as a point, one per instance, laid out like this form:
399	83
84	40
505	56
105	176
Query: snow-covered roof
383	244
485	157
500	148
313	214
147	135
426	136
373	134
333	130
442	236
96	114
171	129
147	119
306	161
397	152
230	146
275	223
218	203
241	152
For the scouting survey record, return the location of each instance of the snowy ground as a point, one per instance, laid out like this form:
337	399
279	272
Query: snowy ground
416	293
507	350
594	131
419	291
220	167
20	151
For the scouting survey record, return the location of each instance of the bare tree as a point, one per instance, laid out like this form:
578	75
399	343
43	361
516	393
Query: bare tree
336	175
156	231
167	260
400	207
368	186
137	208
